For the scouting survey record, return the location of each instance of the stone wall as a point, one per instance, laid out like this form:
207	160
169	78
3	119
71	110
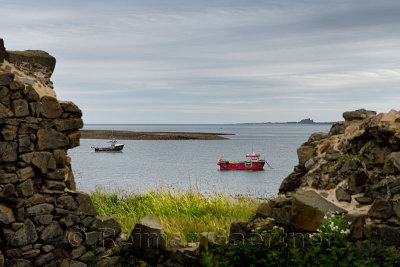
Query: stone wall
44	221
354	170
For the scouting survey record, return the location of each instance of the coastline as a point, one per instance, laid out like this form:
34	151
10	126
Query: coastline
131	135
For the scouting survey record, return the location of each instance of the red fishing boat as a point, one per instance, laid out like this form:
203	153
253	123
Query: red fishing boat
252	162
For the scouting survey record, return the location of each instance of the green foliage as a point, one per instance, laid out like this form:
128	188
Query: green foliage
347	157
329	246
184	213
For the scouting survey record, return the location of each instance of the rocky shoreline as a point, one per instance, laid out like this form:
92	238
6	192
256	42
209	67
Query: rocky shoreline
130	135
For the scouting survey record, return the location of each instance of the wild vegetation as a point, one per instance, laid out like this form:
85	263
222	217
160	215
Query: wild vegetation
183	213
331	245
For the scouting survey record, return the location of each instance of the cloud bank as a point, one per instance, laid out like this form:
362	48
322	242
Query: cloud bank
214	61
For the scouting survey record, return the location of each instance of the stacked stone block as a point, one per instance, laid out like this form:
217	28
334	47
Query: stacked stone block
44	221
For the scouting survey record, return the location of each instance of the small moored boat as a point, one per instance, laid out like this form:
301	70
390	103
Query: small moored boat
252	162
114	147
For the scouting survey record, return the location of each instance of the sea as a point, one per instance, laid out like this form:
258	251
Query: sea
146	165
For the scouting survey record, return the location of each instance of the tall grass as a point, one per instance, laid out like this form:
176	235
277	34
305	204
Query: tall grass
184	213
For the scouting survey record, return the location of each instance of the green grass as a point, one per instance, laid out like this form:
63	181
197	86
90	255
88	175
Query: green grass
184	213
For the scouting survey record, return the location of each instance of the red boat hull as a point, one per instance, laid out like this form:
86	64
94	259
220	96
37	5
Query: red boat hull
256	166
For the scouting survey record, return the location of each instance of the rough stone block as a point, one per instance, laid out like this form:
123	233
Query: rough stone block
51	139
8	151
6	78
50	107
309	208
6	214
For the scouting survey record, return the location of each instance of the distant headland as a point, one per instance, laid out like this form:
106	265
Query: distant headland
303	121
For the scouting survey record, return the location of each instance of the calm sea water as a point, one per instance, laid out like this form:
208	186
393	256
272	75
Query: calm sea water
145	165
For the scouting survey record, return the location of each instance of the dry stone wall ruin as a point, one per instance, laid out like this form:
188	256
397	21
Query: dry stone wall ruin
44	221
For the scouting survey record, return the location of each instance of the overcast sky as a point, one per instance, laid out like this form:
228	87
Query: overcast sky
214	61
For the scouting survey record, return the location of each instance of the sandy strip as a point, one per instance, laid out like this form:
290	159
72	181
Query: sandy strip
130	135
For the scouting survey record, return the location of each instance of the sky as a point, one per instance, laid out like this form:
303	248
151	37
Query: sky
214	61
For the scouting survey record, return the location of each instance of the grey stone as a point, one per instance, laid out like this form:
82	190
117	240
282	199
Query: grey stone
51	139
6	78
6	214
208	240
85	205
332	155
264	210
148	238
43	219
239	231
5	112
25	144
9	132
3	91
31	94
304	153
37	199
71	263
61	211
349	165
324	194
110	261
58	174
108	226
92	238
54	185
364	200
44	258
7	191
50	107
68	124
7	178
20	108
30	254
388	235
381	209
25	173
342	195
52	232
87	221
19	263
17	85
70	107
25	189
27	157
16	225
8	151
48	248
315	137
357	181
337	128
42	161
13	252
75	237
74	139
396	208
309	208
359	114
67	202
70	220
25	235
60	157
392	163
309	164
40	209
